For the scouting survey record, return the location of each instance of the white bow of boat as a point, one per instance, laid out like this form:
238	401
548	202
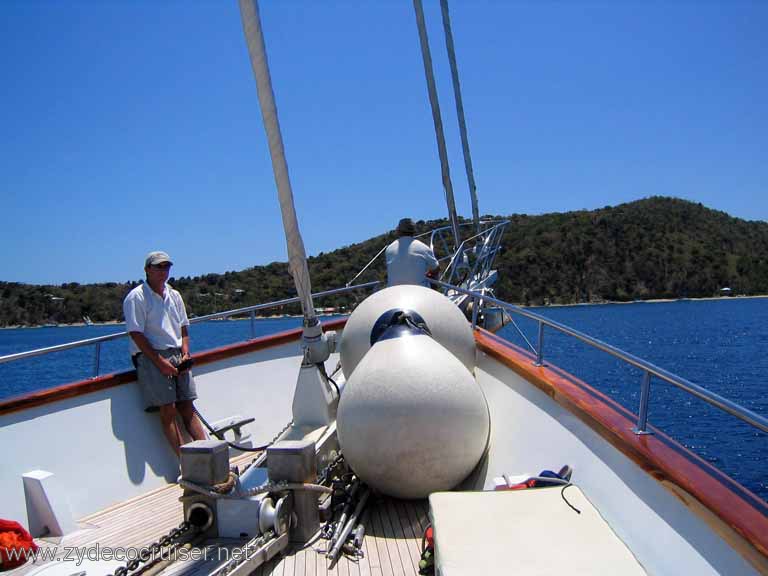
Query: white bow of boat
333	448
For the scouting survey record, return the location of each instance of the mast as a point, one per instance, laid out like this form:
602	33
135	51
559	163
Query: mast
314	401
297	256
460	113
428	71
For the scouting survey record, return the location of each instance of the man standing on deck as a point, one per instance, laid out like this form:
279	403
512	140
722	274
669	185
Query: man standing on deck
409	261
156	319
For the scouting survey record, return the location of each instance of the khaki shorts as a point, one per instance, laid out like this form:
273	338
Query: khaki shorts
159	390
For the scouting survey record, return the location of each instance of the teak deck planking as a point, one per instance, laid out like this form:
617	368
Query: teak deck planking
392	543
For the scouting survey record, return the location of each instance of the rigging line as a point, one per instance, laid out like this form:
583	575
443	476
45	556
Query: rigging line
221	437
435	105
562	495
297	256
460	113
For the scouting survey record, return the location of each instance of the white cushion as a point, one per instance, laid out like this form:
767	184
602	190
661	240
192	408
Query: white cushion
525	532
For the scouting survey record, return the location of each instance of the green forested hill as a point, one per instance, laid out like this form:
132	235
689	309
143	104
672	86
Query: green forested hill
651	248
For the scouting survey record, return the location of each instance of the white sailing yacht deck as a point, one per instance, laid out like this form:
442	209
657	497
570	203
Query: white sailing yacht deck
392	543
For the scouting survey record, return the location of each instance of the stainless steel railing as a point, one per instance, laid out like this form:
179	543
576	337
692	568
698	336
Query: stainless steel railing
488	239
475	255
478	298
648	369
251	310
379	253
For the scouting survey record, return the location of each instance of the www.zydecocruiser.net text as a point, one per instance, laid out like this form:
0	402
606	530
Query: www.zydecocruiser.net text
125	554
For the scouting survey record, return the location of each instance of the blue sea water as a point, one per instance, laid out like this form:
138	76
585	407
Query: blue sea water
41	372
719	344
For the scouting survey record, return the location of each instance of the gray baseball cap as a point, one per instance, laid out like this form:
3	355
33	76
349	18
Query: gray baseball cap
154	258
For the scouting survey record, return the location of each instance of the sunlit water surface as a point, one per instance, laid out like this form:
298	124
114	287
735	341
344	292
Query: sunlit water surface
719	344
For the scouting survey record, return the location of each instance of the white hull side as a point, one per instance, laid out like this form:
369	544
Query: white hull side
103	448
531	432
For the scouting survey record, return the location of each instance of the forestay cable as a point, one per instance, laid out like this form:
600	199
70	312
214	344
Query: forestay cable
427	57
460	113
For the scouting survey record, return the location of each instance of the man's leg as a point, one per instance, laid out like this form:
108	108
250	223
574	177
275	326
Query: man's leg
171	431
191	421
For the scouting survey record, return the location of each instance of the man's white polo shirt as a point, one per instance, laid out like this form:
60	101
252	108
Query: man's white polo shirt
159	318
408	261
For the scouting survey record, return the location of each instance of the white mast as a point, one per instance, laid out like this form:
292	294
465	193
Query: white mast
314	401
297	256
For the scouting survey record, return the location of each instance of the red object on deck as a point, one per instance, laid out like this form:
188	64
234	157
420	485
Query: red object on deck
16	544
521	486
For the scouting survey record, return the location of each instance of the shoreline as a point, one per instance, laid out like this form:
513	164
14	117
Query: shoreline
652	301
278	316
122	323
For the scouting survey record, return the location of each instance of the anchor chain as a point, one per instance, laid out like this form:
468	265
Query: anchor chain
280	433
153	549
286	427
325	473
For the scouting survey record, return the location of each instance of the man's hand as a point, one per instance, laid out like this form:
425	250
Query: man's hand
168	369
185	363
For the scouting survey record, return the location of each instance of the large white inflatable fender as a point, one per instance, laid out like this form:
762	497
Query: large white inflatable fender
446	322
412	420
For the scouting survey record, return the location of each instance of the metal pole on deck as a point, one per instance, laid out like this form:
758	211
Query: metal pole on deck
645	395
96	359
540	347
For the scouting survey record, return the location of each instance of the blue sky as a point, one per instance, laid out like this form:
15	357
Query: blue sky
132	126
